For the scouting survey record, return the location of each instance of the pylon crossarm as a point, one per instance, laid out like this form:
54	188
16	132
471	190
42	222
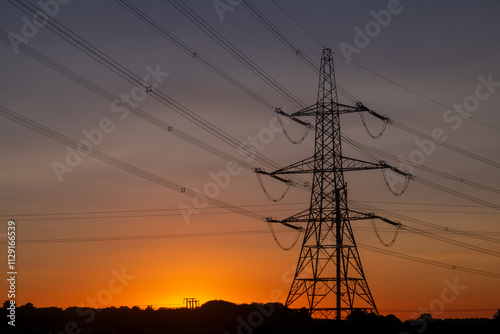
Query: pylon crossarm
384	118
301	217
392	222
303	166
327	107
350	164
284	223
346	109
360	215
363	215
293	118
397	170
307	111
261	171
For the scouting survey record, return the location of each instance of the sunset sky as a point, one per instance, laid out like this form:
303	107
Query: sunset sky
81	226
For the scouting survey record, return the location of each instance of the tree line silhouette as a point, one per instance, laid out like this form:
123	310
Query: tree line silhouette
223	317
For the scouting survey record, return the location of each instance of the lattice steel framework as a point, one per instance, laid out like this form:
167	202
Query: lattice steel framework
329	277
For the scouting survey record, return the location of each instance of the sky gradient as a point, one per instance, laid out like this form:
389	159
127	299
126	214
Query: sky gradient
435	55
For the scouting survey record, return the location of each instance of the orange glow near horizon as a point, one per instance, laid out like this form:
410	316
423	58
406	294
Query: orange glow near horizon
254	271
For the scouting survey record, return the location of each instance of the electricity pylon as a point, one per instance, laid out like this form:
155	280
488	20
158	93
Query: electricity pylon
329	277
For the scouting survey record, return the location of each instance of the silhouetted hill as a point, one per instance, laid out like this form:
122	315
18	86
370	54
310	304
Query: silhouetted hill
223	317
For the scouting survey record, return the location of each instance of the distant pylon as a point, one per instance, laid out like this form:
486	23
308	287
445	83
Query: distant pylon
191	303
329	278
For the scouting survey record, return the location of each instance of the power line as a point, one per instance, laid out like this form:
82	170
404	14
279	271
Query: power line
271	27
123	72
145	237
449	146
134	170
445	311
157	94
131	211
7	113
380	75
49	217
139	172
414	92
457	193
284	39
365	148
422	204
415	132
253	232
176	214
300	25
84	215
78	215
447	212
139	112
428	224
161	181
251	206
450	191
192	52
447	190
80	80
434	236
115	99
234	51
210	127
461	244
430	262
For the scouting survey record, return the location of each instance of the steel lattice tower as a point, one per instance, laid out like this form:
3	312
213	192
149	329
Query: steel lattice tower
329	277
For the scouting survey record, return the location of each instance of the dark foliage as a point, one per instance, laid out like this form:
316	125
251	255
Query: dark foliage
223	317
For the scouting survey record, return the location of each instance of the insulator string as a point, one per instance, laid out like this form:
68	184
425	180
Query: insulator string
271	228
384	126
396	232
269	195
296	142
405	186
